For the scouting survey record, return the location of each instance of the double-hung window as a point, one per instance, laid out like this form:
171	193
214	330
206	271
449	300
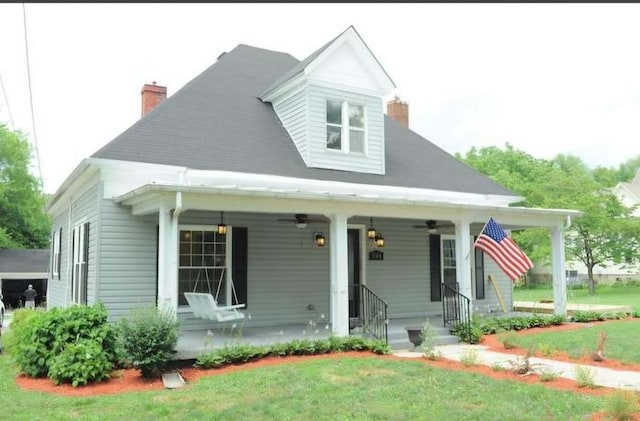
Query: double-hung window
80	263
345	126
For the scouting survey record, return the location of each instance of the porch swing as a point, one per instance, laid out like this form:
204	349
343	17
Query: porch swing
205	305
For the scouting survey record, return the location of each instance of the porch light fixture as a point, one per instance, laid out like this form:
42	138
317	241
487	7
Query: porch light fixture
222	228
319	239
371	232
379	240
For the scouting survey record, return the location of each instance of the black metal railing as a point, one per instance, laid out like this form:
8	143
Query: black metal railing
455	308
372	312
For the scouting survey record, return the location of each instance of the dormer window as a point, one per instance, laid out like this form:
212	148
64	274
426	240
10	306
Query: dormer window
345	127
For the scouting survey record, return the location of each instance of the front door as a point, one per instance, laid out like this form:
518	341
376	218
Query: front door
353	236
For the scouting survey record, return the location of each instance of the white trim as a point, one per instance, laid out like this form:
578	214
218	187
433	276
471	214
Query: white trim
24	275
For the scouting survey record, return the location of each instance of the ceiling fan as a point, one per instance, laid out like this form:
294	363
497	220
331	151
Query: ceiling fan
432	226
301	220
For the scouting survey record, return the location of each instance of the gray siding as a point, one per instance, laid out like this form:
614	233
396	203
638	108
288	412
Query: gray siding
83	209
128	268
293	115
286	271
491	304
320	157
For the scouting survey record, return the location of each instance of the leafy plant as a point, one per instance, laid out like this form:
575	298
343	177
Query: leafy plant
622	405
428	343
149	338
546	349
241	353
470	333
584	316
469	358
508	339
584	377
80	363
42	336
547	376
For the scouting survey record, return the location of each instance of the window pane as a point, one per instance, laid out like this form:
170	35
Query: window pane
334	139
356	141
356	116
334	112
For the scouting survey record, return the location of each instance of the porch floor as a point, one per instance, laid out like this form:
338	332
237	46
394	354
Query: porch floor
192	343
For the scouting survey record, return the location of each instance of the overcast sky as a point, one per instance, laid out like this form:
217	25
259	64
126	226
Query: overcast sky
547	78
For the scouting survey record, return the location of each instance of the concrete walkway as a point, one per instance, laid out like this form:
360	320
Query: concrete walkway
606	377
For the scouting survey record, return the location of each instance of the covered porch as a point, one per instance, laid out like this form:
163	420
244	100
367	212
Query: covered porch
291	280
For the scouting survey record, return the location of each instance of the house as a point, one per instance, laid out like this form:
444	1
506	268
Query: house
628	193
260	180
19	269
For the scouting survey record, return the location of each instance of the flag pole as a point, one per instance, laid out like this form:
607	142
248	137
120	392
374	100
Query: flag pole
483	227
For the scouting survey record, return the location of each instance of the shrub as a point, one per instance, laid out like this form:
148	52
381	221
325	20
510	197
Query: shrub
546	349
584	316
508	339
621	405
584	377
547	376
19	321
80	363
241	353
149	338
469	358
42	336
470	333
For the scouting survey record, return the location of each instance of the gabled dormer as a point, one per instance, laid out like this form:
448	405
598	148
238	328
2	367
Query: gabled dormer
331	104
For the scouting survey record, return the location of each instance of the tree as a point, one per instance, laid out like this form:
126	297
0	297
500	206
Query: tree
604	233
23	221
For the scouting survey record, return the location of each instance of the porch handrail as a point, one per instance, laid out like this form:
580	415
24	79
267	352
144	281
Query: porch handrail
372	313
455	308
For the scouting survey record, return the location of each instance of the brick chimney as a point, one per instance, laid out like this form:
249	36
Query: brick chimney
399	111
152	95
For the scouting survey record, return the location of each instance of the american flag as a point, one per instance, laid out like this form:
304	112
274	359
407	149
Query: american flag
503	250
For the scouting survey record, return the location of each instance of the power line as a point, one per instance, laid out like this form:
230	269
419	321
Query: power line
6	101
33	118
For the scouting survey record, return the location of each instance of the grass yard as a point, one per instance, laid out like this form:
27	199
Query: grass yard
337	389
622	295
623	342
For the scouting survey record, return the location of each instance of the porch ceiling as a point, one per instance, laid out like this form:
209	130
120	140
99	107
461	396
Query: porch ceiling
152	198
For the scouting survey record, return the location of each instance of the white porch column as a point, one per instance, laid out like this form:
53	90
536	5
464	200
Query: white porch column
339	274
463	259
558	271
164	246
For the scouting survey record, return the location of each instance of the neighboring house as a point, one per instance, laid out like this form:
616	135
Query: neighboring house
281	153
18	269
629	195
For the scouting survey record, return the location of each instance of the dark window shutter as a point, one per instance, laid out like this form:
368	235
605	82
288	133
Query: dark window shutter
239	263
479	268
60	254
434	267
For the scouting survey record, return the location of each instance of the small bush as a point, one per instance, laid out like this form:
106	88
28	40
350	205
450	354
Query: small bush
81	363
241	353
469	333
584	377
149	338
621	405
508	339
585	316
39	337
546	349
497	367
547	376
469	358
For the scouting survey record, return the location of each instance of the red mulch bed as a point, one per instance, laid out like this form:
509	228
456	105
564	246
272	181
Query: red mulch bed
130	381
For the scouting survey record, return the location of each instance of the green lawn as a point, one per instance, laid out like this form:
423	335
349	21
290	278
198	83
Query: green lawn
337	389
626	295
623	341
